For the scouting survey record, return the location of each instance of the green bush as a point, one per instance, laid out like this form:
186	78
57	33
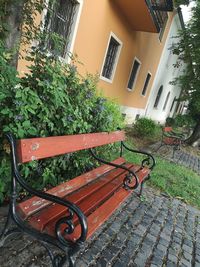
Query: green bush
169	121
183	121
52	99
145	127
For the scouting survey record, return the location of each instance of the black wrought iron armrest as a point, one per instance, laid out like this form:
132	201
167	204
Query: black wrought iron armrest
128	178
181	135
72	208
173	135
177	136
149	161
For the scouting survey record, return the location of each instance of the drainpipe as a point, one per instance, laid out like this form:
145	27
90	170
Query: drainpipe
183	28
180	15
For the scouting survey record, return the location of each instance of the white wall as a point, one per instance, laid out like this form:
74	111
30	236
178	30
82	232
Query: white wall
131	113
165	73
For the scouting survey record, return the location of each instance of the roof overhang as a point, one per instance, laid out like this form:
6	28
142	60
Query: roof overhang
140	14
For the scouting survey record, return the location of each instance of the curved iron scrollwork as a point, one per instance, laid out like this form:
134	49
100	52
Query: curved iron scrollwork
71	207
67	222
146	162
149	161
128	180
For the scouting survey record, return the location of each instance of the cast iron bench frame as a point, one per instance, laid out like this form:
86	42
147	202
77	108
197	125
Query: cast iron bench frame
171	138
26	150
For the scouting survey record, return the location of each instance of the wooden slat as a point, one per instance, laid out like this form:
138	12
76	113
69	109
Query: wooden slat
39	148
34	204
87	199
167	129
100	215
171	141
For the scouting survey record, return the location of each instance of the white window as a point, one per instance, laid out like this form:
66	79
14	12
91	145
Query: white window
166	101
173	104
61	23
111	58
144	90
133	74
157	100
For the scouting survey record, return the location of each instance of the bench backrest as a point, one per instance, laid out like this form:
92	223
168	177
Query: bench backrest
167	129
44	147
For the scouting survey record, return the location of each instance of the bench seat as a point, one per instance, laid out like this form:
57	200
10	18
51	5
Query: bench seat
97	197
171	138
68	214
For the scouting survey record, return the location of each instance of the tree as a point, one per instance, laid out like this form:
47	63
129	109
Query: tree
17	24
188	52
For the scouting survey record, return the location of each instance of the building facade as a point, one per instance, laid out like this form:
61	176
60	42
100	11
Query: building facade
120	40
163	100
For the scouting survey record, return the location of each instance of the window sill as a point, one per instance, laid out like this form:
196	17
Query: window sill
105	79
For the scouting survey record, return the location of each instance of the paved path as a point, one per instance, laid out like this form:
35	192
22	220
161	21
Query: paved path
148	232
180	156
157	231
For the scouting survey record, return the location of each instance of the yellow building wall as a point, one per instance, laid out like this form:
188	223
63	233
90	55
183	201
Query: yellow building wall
100	18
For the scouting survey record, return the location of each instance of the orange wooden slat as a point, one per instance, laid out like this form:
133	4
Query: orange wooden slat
167	129
34	204
171	141
87	198
100	215
39	148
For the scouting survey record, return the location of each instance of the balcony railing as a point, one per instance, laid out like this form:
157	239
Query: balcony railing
144	15
162	5
158	10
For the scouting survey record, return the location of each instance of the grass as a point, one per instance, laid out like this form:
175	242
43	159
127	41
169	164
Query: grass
168	177
141	140
174	180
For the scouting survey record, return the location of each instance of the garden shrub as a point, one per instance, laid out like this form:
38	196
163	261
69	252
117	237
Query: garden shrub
184	120
169	121
51	99
145	127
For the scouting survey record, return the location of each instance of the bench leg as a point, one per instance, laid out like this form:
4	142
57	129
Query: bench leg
6	233
71	261
71	252
142	186
141	189
57	260
175	148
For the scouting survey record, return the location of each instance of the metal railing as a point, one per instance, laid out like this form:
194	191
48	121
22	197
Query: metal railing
158	10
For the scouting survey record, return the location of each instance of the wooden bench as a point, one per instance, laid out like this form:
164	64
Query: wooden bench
171	138
68	214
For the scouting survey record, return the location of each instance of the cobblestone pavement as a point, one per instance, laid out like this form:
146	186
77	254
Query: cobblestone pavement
180	156
148	232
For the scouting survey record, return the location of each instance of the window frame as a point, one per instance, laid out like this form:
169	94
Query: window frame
136	76
146	88
166	101
158	99
74	28
112	35
162	30
173	104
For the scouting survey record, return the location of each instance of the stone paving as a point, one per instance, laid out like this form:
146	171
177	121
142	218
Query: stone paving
151	231
180	156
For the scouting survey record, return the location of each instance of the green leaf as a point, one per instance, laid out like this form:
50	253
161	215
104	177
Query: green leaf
26	124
